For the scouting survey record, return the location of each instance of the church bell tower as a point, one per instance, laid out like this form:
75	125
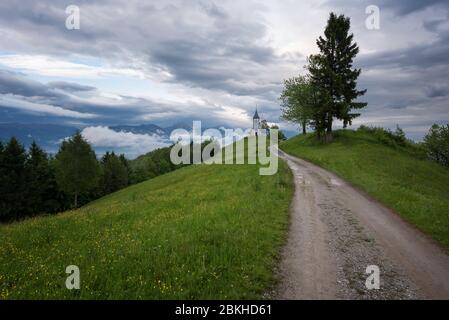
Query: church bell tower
256	123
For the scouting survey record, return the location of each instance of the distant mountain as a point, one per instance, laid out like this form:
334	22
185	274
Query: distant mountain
151	128
47	136
140	129
175	126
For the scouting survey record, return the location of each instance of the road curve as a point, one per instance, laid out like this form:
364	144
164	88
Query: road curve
337	231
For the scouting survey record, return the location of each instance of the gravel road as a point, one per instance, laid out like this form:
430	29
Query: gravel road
337	231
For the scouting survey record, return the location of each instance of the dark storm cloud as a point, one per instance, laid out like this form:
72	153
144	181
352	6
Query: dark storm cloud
399	7
53	93
434	25
200	65
217	52
403	7
62	100
15	83
39	27
70	86
213	10
437	91
418	56
223	56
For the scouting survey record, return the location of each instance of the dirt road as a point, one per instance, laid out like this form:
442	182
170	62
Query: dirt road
336	232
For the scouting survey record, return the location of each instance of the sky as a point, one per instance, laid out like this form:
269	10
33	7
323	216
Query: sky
168	62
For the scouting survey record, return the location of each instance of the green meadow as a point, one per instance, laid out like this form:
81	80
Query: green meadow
200	232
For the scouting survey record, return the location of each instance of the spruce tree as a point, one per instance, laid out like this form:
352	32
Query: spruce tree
334	74
40	179
114	173
13	185
127	165
2	181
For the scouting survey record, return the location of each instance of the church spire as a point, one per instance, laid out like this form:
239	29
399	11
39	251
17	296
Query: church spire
256	115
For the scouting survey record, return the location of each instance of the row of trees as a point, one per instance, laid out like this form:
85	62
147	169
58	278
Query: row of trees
152	164
28	183
32	182
329	89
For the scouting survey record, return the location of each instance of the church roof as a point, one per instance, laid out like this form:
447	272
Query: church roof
256	115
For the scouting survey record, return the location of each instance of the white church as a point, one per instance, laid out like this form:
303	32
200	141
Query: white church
257	128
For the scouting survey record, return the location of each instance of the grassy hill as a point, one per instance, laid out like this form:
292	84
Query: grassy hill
396	175
203	231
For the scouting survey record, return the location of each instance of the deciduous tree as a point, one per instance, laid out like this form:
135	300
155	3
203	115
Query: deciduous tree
77	168
297	101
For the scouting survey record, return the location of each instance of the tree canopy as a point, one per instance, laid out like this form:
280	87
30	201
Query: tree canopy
77	169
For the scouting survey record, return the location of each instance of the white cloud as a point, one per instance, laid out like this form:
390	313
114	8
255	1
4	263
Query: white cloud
52	67
17	102
233	114
132	144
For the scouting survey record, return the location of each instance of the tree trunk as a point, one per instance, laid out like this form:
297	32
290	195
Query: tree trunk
76	200
328	136
304	129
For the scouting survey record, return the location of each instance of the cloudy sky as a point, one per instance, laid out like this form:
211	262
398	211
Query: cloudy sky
168	62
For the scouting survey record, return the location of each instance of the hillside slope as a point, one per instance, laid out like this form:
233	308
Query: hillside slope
415	188
203	231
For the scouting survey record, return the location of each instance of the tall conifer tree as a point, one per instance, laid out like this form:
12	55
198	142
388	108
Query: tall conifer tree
333	72
13	184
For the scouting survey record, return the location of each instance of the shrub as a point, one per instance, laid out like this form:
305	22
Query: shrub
388	137
436	143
